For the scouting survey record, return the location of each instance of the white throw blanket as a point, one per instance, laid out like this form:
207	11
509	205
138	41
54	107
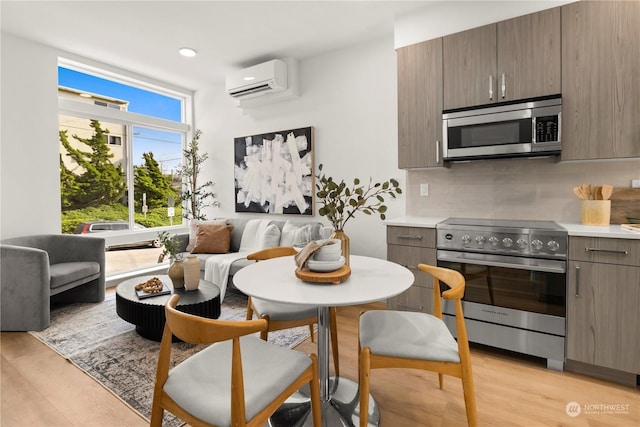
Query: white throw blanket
216	268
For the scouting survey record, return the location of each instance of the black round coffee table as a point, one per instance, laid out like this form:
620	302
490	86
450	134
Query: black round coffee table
148	313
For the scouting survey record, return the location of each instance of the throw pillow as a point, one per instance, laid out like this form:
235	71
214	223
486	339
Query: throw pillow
253	235
212	239
271	237
299	234
193	229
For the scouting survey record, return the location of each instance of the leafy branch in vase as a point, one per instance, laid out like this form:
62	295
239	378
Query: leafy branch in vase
339	202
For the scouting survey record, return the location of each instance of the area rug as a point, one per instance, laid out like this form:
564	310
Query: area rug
96	340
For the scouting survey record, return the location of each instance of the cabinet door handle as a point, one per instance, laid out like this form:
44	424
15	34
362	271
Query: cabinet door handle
409	237
437	152
503	86
490	88
609	251
577	280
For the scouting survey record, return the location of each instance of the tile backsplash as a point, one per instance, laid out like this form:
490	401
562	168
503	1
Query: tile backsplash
538	188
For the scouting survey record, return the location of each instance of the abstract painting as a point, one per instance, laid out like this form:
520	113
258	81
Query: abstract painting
274	172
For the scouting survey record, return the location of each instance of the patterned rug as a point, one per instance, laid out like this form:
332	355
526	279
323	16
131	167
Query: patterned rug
96	340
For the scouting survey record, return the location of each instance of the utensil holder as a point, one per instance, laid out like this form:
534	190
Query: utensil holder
596	212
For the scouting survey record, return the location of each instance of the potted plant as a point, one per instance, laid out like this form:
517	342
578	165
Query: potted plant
197	197
339	202
172	246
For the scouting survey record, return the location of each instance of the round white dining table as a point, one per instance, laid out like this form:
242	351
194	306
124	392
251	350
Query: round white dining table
371	279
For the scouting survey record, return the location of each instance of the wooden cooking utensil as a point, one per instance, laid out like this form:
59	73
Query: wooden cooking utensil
607	190
586	191
597	192
578	192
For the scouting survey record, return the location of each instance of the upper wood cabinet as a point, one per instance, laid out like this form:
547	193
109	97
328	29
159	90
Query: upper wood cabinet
513	59
420	104
600	80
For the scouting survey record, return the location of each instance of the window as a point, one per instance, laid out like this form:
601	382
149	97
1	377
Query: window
121	142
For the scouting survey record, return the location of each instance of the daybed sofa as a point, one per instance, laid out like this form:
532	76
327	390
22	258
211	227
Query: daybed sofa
247	236
40	270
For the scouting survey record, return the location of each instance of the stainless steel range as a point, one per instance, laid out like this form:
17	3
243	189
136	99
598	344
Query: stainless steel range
515	271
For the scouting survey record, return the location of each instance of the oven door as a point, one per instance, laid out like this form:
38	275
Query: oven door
527	293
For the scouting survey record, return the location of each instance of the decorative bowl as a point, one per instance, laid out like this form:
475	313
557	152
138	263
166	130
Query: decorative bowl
330	246
325	266
331	256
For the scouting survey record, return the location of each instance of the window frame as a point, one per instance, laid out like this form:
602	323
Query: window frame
129	120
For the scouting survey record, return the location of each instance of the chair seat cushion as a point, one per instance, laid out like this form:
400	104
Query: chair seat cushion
69	272
407	334
202	383
282	311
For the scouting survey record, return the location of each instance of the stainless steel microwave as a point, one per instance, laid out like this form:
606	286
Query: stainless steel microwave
512	129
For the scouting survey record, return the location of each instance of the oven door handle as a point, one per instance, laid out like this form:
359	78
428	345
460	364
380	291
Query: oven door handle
533	264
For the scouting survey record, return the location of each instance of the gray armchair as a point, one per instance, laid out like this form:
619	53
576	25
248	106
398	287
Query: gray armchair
38	270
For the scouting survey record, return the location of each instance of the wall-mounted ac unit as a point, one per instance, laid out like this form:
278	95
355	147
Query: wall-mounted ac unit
266	78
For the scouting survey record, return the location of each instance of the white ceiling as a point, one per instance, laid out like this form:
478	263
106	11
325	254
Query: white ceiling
144	36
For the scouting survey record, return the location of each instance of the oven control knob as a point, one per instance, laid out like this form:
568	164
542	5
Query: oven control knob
466	239
553	245
537	244
507	242
522	243
479	240
493	240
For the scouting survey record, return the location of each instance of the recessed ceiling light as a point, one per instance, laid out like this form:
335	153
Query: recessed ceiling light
85	95
187	51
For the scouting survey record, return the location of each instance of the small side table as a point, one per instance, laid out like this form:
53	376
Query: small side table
147	314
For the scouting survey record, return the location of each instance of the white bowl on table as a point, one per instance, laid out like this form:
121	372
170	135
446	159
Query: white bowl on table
330	257
325	266
330	246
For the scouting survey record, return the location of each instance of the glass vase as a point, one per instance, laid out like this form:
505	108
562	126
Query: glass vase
344	239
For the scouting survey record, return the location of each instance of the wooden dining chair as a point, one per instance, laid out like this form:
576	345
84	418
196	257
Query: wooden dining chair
284	316
239	380
401	339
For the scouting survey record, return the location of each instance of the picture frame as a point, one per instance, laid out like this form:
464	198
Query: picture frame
274	172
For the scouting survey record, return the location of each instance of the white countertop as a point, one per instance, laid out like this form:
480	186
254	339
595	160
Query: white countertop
574	229
414	221
609	231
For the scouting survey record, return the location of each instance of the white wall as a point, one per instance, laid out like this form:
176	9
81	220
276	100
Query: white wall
29	153
349	97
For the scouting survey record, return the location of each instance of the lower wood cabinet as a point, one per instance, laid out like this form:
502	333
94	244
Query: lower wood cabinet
410	246
603	303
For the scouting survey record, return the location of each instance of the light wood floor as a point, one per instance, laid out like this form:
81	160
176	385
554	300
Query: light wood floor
40	388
